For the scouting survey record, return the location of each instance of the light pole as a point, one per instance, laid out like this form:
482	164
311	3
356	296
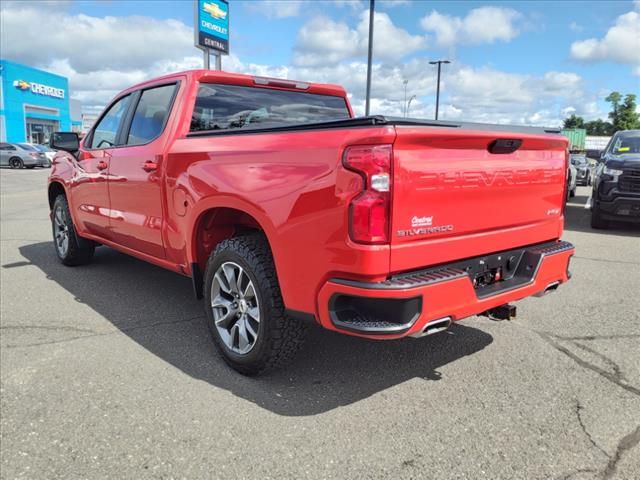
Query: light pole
439	63
413	97
404	105
369	55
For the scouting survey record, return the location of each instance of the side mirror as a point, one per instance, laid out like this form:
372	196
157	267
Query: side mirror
601	159
67	141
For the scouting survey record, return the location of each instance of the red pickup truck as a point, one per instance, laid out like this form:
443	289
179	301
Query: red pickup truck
285	210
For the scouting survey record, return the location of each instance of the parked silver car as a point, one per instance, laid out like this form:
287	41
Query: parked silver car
584	170
14	156
42	156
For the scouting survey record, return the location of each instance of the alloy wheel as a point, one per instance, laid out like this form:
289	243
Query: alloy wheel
61	231
235	307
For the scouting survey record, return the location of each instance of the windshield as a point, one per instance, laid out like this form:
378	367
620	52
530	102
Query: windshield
221	107
43	148
27	147
626	143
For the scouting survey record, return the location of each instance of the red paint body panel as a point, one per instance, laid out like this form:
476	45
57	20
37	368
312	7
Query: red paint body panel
294	186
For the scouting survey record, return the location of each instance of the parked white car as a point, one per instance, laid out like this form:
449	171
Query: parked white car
48	152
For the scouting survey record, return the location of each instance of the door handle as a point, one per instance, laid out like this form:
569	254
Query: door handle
102	165
149	166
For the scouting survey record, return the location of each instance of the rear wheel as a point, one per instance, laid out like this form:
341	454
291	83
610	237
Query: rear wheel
16	162
596	218
71	249
245	312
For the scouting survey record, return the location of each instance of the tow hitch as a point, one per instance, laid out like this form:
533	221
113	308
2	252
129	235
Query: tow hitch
503	312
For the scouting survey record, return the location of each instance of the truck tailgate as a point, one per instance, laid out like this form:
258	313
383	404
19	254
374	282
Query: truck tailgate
455	196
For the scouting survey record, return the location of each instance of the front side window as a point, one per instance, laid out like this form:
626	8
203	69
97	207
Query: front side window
104	134
151	114
224	107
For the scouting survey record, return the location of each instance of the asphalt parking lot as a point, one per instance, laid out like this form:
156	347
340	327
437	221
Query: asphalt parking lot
107	371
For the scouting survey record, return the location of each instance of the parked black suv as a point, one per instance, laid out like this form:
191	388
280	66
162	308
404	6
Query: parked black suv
616	187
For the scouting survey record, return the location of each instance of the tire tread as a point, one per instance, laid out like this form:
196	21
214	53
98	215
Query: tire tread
285	335
80	250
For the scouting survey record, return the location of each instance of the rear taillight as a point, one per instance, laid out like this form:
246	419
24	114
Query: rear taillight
369	212
34	155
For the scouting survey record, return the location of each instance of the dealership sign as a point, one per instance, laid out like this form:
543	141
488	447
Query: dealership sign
212	25
39	88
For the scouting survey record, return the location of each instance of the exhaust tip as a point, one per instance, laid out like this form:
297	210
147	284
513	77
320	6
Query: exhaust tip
433	327
552	287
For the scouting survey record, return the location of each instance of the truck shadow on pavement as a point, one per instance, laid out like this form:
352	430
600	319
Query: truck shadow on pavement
578	219
157	310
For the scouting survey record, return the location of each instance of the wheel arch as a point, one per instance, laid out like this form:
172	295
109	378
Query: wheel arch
55	188
216	222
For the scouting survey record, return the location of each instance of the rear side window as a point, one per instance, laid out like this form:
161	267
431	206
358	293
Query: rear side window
6	146
151	114
222	107
104	135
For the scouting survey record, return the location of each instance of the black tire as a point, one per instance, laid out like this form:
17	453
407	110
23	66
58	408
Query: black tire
596	218
572	193
278	337
16	162
78	251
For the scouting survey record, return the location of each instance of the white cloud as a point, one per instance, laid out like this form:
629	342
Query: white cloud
575	27
277	8
620	44
481	25
355	5
322	40
471	94
90	43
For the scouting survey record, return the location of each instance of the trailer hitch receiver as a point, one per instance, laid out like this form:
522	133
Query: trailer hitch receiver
503	312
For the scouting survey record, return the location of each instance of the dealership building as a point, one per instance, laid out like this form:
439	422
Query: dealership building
33	104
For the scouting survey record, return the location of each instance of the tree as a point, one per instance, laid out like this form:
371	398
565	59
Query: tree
623	115
599	128
574	122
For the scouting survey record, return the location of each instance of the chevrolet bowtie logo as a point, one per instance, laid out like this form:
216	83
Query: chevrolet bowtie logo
215	11
22	85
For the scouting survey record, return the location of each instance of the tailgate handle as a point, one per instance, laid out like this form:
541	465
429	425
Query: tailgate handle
504	145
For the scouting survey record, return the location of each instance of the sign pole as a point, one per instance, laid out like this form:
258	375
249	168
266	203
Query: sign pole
207	54
218	62
372	5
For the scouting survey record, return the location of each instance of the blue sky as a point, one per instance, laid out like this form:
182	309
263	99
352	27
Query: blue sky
516	62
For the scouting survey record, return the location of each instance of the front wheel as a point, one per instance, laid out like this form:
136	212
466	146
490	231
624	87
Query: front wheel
71	249
596	218
244	307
